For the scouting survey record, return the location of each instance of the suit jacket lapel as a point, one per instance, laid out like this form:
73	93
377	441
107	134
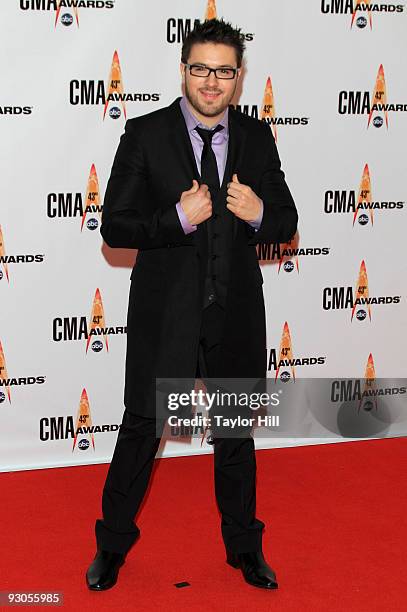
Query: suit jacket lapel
183	152
237	139
181	142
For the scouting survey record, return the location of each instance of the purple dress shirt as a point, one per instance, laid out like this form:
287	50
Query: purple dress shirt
220	148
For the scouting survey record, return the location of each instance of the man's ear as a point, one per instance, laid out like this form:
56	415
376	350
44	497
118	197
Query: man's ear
182	70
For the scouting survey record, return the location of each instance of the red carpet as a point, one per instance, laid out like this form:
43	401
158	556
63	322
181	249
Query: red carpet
336	533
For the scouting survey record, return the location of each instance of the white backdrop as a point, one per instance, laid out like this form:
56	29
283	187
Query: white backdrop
51	137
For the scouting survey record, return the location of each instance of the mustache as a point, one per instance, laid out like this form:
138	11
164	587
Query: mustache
208	90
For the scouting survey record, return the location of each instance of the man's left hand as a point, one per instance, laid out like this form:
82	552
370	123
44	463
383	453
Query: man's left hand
242	201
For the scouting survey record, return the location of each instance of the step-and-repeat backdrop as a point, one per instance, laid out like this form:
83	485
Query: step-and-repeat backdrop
328	76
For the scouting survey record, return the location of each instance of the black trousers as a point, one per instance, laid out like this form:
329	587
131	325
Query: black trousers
132	462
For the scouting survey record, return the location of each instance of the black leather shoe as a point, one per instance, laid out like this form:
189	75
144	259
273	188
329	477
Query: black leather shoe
254	568
104	569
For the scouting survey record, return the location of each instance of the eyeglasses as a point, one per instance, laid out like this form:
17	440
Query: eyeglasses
199	70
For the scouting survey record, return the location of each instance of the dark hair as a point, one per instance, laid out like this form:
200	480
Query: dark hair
214	31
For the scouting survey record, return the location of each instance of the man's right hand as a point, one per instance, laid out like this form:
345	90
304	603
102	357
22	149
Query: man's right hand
196	203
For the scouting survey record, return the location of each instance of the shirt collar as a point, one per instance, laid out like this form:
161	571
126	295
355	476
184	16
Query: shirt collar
192	122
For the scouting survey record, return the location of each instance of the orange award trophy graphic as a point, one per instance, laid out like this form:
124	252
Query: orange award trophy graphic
369	387
58	10
379	97
365	194
3	373
115	84
365	3
97	320
362	290
211	10
3	255
286	350
83	419
267	109
92	199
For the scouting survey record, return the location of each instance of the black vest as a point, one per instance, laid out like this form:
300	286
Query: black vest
219	230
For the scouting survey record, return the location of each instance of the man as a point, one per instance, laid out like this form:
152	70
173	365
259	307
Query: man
194	187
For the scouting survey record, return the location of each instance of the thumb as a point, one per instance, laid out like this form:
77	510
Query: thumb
195	186
235	179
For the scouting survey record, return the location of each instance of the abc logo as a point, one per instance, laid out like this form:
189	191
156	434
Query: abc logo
368	405
97	346
378	122
66	19
361	22
92	224
363	219
361	315
114	112
83	444
1	274
288	266
2	397
285	376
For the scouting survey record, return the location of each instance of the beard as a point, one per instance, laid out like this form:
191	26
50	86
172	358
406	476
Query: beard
210	108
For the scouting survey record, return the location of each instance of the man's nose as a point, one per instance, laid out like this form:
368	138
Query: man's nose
211	79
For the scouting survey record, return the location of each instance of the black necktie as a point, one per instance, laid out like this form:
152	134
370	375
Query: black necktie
209	167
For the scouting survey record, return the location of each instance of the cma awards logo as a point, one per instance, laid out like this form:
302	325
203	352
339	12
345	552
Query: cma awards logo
6	260
16	110
287	254
81	430
267	111
376	107
179	28
95	332
361	206
362	391
6	382
366	392
66	11
361	10
358	300
283	362
112	96
72	205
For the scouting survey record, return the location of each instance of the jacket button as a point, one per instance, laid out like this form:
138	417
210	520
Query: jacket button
214	256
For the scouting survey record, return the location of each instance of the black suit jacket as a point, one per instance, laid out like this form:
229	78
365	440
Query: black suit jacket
153	165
